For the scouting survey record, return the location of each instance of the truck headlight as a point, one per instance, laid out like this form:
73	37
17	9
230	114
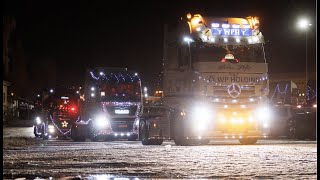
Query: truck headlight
200	117
51	128
201	114
101	121
38	120
264	113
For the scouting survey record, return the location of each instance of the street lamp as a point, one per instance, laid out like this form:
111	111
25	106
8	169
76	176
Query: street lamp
304	24
188	40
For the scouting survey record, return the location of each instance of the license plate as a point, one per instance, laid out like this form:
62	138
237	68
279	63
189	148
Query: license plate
123	126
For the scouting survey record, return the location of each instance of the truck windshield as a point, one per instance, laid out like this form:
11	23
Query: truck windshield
120	92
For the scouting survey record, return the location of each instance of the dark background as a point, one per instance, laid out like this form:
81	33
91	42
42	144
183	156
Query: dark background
60	39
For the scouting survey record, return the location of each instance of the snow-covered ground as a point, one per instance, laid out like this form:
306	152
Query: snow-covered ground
18	132
268	159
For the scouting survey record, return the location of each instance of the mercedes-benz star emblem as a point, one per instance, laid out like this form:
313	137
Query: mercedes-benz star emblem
234	90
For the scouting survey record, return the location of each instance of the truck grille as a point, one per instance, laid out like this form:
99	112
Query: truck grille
222	91
132	110
122	124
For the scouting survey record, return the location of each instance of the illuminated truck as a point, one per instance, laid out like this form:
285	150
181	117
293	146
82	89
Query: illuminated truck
215	83
58	112
112	103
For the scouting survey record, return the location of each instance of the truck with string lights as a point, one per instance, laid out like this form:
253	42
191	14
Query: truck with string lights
215	83
59	110
112	104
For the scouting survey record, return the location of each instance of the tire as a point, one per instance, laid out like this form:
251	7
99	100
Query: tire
75	135
179	140
35	132
44	137
95	139
144	134
248	141
291	129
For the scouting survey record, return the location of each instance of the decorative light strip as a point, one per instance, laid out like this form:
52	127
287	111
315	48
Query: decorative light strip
64	133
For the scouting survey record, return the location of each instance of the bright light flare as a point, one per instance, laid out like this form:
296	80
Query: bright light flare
101	121
187	39
38	120
215	25
202	113
303	23
264	113
225	25
255	39
195	21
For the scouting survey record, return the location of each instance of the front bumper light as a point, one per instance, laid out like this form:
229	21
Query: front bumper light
201	117
264	114
51	128
38	120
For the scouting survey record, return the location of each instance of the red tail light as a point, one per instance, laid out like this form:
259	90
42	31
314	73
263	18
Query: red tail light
72	109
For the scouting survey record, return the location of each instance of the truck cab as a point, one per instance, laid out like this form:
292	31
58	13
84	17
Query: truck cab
113	102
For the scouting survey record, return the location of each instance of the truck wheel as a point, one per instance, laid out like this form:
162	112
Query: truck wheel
248	141
73	133
44	136
35	132
144	134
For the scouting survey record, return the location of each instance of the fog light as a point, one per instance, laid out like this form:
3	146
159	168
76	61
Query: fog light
116	134
49	136
128	134
51	130
122	134
38	120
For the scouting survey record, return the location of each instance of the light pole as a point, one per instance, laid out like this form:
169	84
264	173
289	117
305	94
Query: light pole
304	24
188	40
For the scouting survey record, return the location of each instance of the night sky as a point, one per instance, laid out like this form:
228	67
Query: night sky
73	36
